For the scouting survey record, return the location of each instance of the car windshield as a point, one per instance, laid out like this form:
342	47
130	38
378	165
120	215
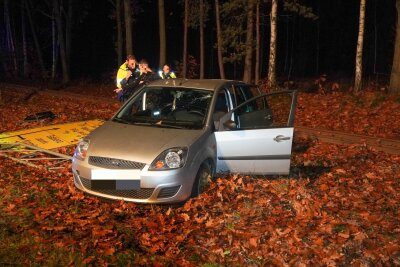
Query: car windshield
167	107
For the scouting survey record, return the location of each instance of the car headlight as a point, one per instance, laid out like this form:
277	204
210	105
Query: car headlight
81	149
172	158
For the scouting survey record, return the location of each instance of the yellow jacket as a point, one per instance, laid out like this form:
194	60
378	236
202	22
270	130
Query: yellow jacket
121	74
169	75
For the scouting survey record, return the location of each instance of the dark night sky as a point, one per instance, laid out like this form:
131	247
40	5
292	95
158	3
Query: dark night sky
306	48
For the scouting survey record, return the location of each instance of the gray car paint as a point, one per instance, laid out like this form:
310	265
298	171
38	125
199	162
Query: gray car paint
138	143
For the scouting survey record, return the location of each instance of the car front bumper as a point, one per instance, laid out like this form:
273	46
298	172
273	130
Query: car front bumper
168	186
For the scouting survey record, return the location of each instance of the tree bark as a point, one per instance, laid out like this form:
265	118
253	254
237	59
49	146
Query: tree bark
119	31
394	86
68	34
10	38
163	40
201	33
128	27
24	48
248	60
64	66
54	46
35	39
258	43
272	45
185	38
359	54
219	41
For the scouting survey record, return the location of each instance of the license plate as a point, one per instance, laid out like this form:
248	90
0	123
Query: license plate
115	179
115	184
99	174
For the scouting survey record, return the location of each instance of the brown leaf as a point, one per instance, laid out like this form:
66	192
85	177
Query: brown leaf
340	171
253	242
109	251
185	217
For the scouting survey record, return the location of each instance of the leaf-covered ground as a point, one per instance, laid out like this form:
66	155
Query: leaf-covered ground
339	206
369	113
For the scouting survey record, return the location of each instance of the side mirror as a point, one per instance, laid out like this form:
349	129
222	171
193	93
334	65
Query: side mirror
230	124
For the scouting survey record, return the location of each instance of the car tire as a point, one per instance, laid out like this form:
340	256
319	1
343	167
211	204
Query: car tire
203	179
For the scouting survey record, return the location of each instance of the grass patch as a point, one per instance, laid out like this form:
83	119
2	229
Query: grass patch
378	101
358	102
125	259
211	265
338	228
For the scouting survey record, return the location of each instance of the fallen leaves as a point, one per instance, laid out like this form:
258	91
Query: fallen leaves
371	113
339	206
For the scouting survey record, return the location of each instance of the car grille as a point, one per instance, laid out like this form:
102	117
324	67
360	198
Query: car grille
142	193
111	163
168	191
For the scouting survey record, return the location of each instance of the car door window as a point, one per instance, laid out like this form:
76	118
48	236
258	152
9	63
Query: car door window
243	92
266	111
280	106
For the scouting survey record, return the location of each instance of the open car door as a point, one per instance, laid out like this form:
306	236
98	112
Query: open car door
256	137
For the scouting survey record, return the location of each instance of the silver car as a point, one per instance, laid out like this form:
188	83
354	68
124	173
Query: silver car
171	137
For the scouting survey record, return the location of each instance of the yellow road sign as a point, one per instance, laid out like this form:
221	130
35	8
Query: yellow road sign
52	136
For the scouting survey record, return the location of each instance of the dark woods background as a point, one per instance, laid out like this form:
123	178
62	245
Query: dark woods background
306	47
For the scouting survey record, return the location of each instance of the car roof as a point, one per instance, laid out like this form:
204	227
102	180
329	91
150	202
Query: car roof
208	84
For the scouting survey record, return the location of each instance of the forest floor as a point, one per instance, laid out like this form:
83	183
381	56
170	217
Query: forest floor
340	205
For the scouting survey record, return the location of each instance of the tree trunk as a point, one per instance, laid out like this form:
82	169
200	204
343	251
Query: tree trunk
119	32
68	34
128	27
163	40
318	51
24	48
64	67
54	46
395	75
201	32
185	38
219	41
359	54
35	39
248	60
272	45
9	39
258	43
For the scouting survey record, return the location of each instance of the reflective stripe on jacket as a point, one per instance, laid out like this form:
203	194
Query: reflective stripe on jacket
169	75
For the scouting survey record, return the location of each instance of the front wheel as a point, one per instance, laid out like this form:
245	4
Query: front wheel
203	179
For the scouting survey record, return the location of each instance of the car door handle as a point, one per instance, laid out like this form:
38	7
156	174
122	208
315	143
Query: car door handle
280	138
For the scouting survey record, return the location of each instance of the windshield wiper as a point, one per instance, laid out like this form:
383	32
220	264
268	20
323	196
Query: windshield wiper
121	120
166	125
159	124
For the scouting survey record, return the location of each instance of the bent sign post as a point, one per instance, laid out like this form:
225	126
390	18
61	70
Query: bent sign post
32	147
52	136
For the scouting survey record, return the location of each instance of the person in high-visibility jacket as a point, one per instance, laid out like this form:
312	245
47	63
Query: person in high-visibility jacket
166	73
142	78
126	71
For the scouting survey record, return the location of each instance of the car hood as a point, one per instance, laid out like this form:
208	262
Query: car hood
137	143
